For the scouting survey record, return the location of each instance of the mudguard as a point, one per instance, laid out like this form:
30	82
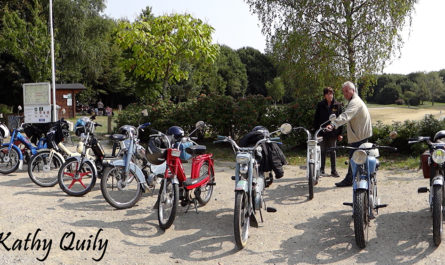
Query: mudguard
121	163
242	185
16	148
55	153
362	185
438	180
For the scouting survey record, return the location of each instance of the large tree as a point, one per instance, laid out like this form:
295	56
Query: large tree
163	48
350	37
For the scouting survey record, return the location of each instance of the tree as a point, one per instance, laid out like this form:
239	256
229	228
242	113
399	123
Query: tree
275	89
161	49
355	37
259	69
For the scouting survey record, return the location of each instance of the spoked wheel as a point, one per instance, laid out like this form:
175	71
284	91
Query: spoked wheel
76	179
120	191
9	160
167	203
437	214
204	193
241	219
42	171
361	217
311	180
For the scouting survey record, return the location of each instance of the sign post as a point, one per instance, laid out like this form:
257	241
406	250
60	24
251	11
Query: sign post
37	102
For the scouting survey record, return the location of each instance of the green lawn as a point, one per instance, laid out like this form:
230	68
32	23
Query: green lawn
103	120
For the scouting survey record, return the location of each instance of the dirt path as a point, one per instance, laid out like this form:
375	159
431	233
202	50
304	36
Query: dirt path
301	232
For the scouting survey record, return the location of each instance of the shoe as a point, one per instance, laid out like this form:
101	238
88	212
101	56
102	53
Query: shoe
334	174
344	183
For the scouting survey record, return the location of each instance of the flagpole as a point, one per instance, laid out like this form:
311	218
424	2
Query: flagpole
53	69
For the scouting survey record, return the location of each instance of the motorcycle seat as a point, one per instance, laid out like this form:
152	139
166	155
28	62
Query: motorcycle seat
196	150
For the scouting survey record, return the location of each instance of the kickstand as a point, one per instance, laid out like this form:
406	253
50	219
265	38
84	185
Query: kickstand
194	203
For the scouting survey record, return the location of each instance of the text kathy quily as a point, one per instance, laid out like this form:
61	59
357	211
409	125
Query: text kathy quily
69	241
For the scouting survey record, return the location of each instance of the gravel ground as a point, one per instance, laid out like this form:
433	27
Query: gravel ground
319	231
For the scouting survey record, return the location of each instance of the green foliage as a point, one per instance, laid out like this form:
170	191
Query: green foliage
275	89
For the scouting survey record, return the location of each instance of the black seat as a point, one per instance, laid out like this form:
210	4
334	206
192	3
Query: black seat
118	137
195	150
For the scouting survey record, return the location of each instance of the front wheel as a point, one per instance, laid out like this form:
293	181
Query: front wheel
241	219
204	193
167	203
361	217
42	171
437	214
311	180
120	191
77	179
9	160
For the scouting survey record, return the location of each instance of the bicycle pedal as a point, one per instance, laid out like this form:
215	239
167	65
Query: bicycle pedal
381	206
348	203
271	210
233	177
422	190
211	184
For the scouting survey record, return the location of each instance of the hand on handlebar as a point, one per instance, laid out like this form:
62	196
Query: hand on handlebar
330	128
339	138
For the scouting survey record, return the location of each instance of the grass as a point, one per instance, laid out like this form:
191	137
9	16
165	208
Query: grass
103	120
425	105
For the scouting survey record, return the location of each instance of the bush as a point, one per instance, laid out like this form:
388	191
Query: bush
400	101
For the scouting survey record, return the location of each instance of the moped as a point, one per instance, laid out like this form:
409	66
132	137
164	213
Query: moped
313	157
434	168
175	186
249	184
124	181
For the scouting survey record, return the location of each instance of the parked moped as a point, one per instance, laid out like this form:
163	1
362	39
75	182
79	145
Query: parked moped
249	184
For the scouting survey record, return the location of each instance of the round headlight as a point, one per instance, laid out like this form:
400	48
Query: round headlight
438	156
359	157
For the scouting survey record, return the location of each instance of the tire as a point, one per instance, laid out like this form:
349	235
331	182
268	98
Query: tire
42	171
361	217
166	200
311	180
241	221
117	191
9	163
77	185
204	193
437	215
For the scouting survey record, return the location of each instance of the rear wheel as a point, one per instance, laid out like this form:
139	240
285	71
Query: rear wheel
311	180
437	214
241	220
9	160
76	179
167	203
120	191
204	193
42	171
361	217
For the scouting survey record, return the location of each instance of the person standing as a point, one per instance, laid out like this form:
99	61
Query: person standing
359	126
325	108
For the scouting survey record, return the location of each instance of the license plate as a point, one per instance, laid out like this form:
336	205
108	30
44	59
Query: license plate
176	152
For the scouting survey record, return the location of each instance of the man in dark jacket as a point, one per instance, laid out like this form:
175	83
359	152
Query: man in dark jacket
325	108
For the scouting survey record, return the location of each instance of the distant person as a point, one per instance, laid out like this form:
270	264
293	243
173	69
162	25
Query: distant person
100	106
325	108
359	126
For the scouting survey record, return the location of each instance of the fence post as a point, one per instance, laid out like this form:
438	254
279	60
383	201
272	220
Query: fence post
109	124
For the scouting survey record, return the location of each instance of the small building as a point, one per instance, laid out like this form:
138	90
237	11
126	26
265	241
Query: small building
66	99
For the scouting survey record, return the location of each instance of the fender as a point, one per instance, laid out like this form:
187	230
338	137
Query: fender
362	185
438	180
78	158
54	153
16	148
139	174
242	185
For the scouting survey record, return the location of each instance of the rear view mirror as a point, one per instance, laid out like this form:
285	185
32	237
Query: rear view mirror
285	128
332	117
200	124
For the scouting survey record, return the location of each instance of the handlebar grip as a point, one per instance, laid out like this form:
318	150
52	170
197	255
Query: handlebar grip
220	137
194	138
275	139
145	124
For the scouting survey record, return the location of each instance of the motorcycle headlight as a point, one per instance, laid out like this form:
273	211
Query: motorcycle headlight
243	169
438	156
242	158
359	157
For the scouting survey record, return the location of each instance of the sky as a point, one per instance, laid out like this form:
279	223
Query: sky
236	27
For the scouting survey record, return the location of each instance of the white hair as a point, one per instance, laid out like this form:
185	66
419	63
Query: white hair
349	84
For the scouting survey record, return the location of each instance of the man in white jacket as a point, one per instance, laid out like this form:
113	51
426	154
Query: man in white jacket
358	120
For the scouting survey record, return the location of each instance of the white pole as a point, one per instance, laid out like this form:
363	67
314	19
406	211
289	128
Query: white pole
53	69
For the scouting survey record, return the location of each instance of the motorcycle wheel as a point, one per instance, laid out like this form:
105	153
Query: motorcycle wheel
437	215
204	193
9	163
42	171
167	203
361	217
76	185
241	219
311	180
118	191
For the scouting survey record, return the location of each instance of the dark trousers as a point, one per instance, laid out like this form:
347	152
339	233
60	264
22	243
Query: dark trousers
356	144
328	141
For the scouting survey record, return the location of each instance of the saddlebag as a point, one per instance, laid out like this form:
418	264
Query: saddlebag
424	164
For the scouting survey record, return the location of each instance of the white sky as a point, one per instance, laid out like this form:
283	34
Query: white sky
237	27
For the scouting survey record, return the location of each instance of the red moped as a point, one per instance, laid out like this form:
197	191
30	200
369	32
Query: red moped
176	186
